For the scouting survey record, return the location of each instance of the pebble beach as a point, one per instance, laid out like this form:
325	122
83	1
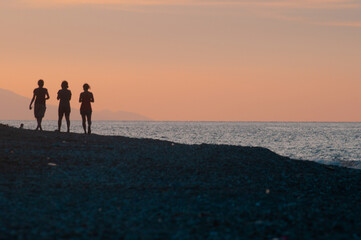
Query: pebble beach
75	186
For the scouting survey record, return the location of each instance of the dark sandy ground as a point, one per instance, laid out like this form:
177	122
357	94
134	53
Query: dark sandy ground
73	186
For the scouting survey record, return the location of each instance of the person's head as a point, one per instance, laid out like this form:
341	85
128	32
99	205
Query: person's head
86	87
64	85
41	83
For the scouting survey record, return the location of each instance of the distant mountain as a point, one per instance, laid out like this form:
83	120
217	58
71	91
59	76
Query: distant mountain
16	107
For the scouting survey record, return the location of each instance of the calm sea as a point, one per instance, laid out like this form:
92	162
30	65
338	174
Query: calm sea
331	143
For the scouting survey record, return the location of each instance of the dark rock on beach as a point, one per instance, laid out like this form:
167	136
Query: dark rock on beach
73	186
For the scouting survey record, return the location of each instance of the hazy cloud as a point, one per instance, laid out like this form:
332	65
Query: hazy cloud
343	24
254	3
286	10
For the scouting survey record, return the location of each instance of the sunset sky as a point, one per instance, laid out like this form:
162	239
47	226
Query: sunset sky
190	60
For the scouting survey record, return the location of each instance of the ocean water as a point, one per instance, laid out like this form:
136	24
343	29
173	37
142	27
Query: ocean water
329	143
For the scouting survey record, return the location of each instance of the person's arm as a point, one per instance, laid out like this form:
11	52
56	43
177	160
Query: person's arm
32	100
47	95
91	98
80	98
58	97
69	95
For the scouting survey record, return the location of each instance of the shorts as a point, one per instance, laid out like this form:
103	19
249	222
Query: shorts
64	110
39	110
87	113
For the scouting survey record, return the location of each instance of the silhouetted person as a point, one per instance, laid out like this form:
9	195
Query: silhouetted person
40	96
86	98
64	95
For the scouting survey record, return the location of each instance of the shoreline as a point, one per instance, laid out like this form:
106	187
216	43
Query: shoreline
70	185
327	143
55	119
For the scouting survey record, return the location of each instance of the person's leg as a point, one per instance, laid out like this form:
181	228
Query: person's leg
38	120
83	122
42	110
67	117
89	122
36	115
60	114
39	123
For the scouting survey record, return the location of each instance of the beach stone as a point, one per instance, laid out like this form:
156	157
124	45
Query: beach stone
71	186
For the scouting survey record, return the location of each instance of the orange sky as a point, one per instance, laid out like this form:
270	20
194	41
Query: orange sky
204	60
